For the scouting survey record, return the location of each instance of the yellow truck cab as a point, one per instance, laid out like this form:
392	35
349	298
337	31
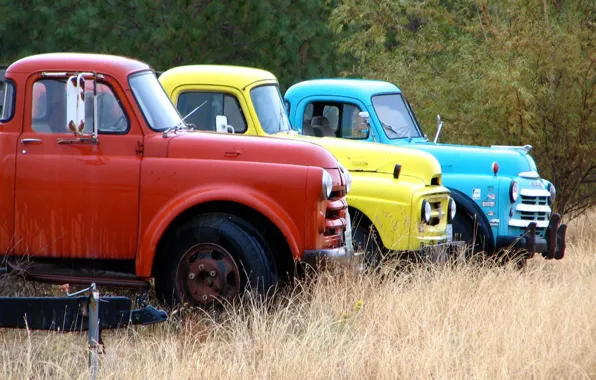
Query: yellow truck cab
397	201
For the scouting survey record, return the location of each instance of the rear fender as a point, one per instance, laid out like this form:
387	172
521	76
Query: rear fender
258	201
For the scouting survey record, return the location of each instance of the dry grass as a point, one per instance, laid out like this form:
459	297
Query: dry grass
464	322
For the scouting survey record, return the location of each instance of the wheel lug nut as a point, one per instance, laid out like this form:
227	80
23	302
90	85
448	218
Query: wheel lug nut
212	273
204	297
191	276
201	267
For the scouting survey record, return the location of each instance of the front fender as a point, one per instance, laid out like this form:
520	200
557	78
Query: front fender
387	203
246	196
470	208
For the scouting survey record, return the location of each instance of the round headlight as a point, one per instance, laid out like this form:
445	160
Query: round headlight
451	210
513	191
348	180
426	210
553	193
327	184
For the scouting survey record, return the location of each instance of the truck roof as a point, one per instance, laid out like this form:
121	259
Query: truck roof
108	64
355	88
218	75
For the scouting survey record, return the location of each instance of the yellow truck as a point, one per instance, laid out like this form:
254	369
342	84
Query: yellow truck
397	201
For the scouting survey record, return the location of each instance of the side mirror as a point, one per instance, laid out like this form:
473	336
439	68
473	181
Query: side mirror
365	118
439	127
221	125
75	104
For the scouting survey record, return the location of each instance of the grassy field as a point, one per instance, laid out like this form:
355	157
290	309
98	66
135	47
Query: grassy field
449	322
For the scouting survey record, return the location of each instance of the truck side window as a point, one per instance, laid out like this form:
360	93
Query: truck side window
332	114
216	103
343	120
111	118
351	123
49	108
308	112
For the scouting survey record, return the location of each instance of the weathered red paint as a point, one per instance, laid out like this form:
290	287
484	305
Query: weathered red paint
114	200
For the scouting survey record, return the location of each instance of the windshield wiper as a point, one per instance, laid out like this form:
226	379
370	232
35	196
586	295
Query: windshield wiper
182	124
397	131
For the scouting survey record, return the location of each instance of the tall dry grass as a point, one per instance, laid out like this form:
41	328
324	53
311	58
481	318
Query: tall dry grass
441	323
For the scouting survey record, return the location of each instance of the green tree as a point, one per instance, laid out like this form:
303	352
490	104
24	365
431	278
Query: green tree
497	72
289	38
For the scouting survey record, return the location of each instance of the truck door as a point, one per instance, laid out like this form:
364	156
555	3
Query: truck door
77	200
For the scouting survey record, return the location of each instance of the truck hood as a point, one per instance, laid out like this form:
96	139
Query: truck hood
217	146
467	159
373	157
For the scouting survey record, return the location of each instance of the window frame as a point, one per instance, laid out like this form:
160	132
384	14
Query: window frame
99	131
14	99
340	106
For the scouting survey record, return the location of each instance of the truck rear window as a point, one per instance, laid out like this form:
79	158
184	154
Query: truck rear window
7	98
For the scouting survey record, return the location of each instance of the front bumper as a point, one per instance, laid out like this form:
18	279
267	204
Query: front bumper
552	246
342	256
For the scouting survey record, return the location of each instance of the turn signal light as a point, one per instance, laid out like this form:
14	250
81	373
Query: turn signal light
495	168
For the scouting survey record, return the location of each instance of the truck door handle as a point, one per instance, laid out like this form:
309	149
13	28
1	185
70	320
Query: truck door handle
31	141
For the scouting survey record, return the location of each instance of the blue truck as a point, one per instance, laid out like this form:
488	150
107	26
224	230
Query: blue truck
503	205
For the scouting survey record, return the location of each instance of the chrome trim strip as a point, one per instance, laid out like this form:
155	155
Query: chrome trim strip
532	208
531	174
534	192
524	223
526	147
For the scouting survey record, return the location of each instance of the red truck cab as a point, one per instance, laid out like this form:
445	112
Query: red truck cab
103	181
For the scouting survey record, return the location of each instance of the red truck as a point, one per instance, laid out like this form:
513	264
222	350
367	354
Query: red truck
103	181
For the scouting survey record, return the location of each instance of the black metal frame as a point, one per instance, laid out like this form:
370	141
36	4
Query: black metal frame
77	312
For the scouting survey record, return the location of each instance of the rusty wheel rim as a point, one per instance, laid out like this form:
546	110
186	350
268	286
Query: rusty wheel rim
205	273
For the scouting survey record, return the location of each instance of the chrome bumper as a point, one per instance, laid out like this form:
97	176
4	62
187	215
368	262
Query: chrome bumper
341	256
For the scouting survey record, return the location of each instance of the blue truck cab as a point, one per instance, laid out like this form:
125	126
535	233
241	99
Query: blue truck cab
502	203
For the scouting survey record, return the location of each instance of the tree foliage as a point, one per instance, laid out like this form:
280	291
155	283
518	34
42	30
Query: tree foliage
498	73
294	43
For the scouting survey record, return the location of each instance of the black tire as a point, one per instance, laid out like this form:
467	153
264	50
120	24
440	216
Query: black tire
365	238
221	255
476	241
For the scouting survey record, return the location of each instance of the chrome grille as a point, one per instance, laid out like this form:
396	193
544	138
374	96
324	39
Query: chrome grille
533	207
528	200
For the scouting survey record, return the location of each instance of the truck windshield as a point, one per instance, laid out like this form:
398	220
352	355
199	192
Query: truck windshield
270	109
157	108
394	116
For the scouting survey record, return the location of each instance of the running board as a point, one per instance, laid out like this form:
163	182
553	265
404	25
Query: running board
48	273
